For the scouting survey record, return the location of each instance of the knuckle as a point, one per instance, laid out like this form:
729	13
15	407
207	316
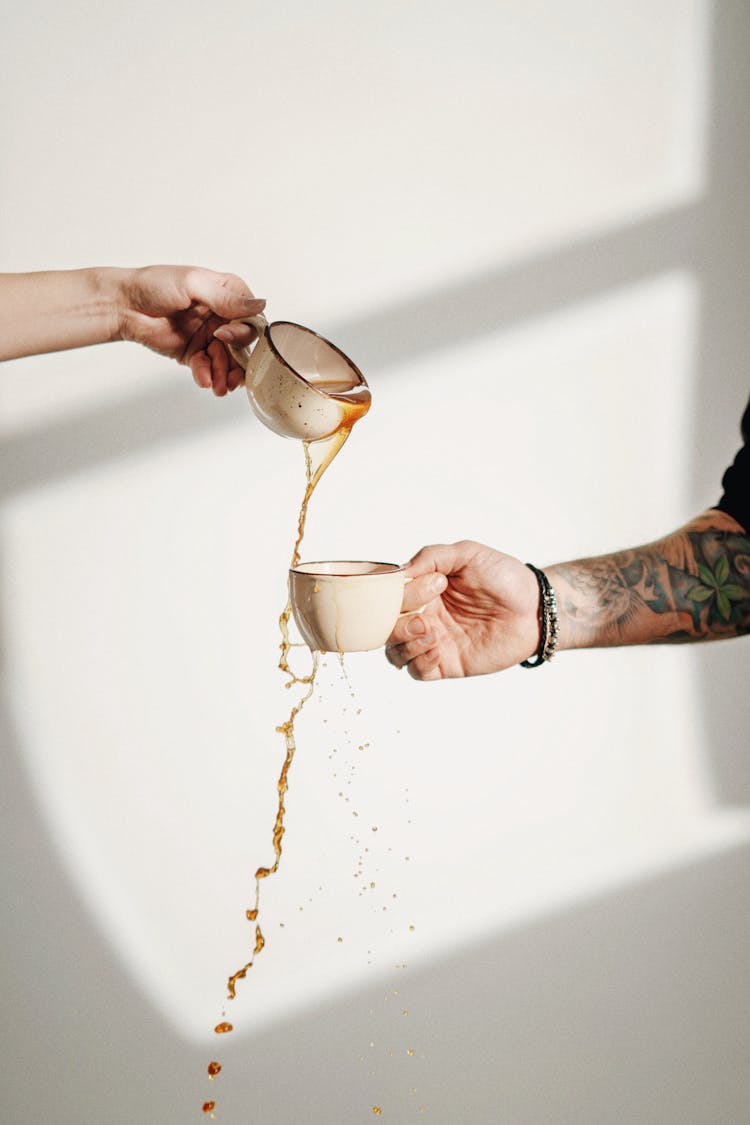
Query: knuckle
234	284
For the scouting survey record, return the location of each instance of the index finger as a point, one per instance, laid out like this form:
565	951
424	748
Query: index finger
441	558
225	293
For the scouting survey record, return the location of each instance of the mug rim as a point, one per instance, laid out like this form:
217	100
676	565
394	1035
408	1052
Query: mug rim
394	568
312	332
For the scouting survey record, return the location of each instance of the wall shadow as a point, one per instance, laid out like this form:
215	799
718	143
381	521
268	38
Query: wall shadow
108	433
80	1042
622	1011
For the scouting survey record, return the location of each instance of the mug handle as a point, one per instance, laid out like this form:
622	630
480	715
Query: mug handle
241	356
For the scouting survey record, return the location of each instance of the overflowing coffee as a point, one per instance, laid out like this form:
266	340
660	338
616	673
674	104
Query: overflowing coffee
302	386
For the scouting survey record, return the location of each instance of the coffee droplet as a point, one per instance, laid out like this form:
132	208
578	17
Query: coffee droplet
223	1028
251	915
377	1110
410	1051
214	1068
208	1106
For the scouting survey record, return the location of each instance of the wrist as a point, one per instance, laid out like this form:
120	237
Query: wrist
111	294
530	617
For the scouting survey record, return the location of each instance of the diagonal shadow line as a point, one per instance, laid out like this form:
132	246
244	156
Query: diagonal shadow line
498	299
481	304
107	434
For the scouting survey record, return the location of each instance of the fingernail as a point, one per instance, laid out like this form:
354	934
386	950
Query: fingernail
416	627
254	300
438	584
224	334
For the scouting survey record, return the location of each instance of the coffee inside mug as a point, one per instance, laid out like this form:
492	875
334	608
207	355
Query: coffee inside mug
346	569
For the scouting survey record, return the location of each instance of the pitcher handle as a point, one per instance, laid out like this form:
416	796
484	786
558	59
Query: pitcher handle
241	356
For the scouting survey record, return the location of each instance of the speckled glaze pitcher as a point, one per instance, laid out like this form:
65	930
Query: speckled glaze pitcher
300	385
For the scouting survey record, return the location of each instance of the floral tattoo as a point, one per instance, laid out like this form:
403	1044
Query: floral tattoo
694	585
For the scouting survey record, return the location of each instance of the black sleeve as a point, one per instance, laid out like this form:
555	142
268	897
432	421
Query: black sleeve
736	480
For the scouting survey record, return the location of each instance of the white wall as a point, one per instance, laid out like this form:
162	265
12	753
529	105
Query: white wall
528	224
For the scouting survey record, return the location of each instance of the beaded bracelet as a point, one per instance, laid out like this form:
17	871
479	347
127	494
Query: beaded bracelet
549	625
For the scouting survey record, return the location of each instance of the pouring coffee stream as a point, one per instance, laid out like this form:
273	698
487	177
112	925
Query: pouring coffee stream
300	386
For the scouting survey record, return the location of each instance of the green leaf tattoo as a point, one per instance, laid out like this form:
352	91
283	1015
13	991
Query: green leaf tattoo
700	593
717	587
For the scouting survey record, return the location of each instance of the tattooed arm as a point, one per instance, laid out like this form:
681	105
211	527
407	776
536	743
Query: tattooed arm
470	610
694	585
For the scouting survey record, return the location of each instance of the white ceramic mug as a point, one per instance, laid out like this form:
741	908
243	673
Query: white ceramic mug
346	606
299	384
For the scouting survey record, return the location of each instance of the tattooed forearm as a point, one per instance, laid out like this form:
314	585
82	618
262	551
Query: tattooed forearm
692	585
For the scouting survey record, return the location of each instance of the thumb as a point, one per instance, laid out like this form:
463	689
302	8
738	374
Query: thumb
225	293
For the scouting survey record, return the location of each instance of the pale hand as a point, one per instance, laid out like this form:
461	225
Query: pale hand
471	610
183	312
